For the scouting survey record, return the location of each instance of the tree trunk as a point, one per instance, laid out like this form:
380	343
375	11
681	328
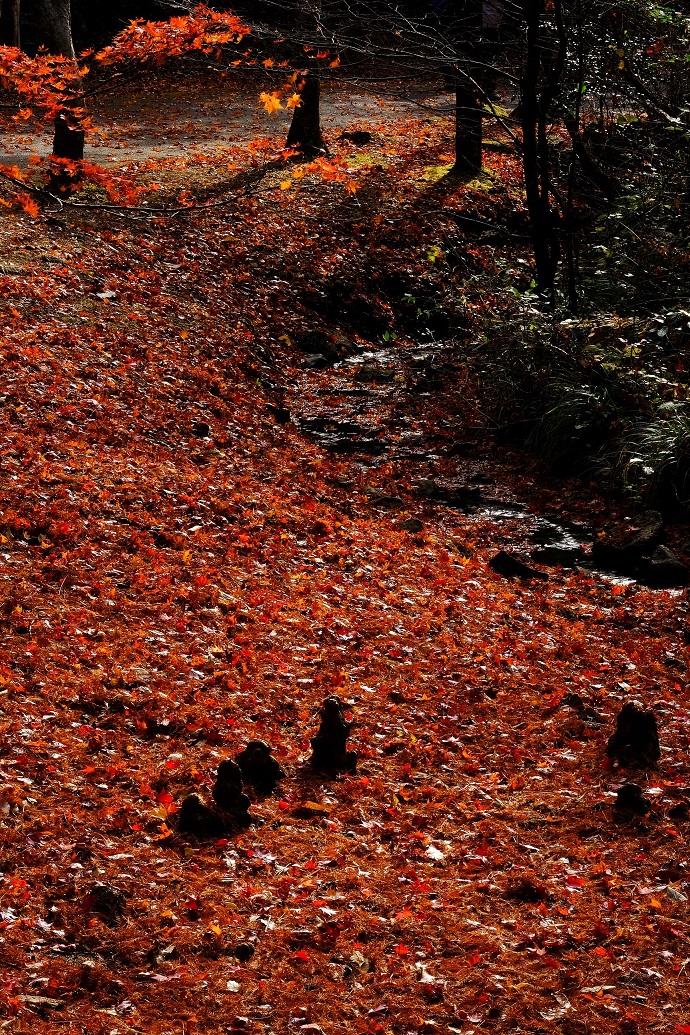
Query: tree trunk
468	127
68	141
55	26
466	30
533	155
9	23
305	132
68	144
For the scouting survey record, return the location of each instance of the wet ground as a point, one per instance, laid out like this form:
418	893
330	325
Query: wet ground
378	409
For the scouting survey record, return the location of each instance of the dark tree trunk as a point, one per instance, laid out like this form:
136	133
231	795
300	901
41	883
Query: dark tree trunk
468	127
9	23
68	141
534	106
467	30
68	145
305	131
54	20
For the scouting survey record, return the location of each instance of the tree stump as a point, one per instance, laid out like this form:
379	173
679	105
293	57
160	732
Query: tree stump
329	750
305	131
258	766
636	737
196	818
631	800
228	794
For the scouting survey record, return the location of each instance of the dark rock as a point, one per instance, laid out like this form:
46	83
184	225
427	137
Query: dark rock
200	429
315	340
316	361
343	444
311	341
453	494
258	766
631	799
280	414
583	709
106	900
329	746
244	951
358	137
380	499
622	549
197	819
527	890
636	738
560	554
510	566
371	373
672	870
228	793
663	570
411	524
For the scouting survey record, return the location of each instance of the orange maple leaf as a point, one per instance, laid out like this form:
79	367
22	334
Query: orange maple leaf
270	101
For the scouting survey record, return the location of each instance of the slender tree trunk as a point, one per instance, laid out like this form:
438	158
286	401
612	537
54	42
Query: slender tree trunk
9	23
55	26
537	205
305	131
467	30
468	127
535	105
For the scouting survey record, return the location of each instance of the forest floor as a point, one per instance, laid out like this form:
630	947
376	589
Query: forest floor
205	531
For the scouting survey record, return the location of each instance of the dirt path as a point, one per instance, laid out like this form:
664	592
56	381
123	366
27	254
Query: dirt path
169	121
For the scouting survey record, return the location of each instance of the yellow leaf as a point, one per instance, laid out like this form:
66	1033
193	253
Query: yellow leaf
215	928
270	101
293	101
269	63
285	184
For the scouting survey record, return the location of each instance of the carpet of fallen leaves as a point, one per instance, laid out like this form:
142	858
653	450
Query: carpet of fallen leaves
180	572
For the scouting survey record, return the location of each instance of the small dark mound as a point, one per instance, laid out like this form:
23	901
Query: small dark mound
244	951
527	890
510	566
280	414
198	819
636	738
106	900
631	799
358	137
228	794
329	750
258	767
